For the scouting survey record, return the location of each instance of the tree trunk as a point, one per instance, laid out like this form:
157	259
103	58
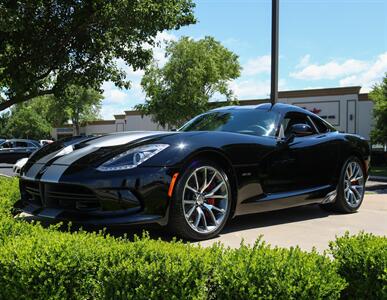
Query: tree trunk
76	129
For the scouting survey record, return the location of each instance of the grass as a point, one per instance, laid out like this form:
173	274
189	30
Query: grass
378	171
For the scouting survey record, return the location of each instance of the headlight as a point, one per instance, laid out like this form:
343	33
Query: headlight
132	158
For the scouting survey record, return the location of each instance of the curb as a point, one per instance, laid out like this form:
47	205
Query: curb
376	187
378	178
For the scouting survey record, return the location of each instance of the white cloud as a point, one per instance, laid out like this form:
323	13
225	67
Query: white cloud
117	100
330	70
260	64
254	88
304	61
108	112
162	39
250	89
113	94
369	77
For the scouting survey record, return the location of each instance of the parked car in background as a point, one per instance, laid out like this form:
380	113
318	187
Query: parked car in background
14	149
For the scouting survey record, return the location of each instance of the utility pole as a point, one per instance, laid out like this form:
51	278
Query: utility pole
274	51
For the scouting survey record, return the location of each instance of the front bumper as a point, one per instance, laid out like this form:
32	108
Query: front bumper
135	196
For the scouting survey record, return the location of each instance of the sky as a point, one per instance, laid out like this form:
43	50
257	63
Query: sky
323	43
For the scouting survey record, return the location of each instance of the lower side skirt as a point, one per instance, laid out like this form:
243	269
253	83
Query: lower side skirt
277	201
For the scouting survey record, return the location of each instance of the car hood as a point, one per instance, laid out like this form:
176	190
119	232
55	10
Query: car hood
102	146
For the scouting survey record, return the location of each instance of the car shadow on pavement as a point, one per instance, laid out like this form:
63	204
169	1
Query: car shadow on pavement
272	218
240	223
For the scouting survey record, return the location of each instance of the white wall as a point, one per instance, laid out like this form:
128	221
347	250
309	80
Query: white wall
135	123
98	129
335	107
365	118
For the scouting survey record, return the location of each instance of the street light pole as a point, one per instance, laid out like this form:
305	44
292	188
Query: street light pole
274	51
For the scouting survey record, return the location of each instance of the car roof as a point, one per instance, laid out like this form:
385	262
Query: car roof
278	107
22	140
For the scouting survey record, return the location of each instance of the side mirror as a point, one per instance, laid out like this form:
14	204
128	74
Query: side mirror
301	130
297	130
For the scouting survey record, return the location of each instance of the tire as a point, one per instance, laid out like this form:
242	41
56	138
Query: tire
349	195
194	214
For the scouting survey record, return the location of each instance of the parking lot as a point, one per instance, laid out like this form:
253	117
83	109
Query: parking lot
307	226
6	170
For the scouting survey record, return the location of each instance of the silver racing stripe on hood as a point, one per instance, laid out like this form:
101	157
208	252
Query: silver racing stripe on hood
33	171
110	140
54	172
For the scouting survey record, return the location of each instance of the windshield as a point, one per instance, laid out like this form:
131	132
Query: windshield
252	121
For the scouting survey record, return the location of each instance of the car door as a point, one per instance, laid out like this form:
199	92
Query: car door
7	152
304	162
21	149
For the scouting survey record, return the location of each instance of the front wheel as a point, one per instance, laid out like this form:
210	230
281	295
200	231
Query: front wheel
201	203
351	188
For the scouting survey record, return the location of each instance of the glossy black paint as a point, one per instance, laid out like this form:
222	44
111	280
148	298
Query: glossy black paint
265	172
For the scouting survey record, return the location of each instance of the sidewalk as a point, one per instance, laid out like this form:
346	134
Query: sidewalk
378	178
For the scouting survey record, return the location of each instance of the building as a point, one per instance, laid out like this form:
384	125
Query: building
344	107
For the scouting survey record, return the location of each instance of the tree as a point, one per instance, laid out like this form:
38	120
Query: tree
4	117
195	71
27	122
379	97
47	45
79	104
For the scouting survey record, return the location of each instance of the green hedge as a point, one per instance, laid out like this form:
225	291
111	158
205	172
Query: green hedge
362	261
45	263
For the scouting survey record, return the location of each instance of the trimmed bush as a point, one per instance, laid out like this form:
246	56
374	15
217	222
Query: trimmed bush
45	263
362	261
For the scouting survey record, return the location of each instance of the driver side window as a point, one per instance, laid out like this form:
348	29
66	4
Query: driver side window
293	118
6	145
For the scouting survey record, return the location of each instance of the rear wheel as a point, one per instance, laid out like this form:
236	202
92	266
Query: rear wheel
350	191
202	202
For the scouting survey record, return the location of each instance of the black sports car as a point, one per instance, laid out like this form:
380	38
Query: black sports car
229	161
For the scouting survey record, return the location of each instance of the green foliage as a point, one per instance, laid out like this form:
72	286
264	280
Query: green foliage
4	117
265	273
379	97
28	121
36	118
45	263
79	104
47	45
181	89
362	261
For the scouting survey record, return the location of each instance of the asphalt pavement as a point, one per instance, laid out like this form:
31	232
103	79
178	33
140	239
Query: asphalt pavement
6	170
307	226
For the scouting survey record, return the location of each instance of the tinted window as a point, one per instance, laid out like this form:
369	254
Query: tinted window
6	145
32	145
21	144
321	127
252	121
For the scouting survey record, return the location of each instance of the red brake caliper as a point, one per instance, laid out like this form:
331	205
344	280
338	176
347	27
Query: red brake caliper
211	201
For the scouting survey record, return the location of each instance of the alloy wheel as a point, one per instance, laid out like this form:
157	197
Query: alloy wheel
353	184
205	199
